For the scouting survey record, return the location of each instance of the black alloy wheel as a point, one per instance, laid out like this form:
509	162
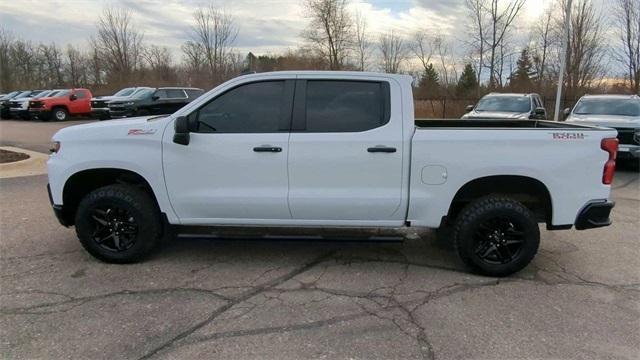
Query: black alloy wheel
115	228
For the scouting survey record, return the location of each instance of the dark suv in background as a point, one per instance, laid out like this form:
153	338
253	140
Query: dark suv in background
507	106
153	101
99	107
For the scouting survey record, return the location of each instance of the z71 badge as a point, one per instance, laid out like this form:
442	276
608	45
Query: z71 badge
141	132
568	136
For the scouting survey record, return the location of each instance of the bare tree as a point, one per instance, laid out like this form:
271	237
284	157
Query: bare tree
586	46
330	32
6	65
501	17
542	35
213	34
477	31
393	51
362	42
51	58
423	47
76	67
627	21
119	44
446	58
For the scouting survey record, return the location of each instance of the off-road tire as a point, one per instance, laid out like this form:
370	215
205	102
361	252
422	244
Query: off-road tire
139	204
484	209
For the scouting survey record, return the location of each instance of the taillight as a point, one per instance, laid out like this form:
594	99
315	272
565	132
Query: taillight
610	145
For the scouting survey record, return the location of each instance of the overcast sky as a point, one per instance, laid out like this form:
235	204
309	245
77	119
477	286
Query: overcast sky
269	26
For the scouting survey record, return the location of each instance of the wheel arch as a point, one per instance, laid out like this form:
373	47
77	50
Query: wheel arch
527	190
78	185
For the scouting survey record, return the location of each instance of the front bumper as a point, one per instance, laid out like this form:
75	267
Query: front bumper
19	113
594	215
39	113
100	113
58	210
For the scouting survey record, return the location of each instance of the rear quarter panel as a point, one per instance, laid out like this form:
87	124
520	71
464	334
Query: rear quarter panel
569	162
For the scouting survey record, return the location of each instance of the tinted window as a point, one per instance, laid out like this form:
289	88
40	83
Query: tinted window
251	108
142	94
344	106
80	94
620	107
175	94
194	93
518	104
161	94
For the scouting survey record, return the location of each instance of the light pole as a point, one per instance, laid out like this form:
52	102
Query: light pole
563	59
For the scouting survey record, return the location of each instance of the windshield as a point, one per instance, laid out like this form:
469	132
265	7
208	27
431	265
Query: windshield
619	107
144	93
516	104
125	92
45	93
61	93
25	94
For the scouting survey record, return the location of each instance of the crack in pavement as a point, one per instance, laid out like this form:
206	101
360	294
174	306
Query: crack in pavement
78	301
246	296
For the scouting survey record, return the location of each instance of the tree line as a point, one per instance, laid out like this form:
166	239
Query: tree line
338	38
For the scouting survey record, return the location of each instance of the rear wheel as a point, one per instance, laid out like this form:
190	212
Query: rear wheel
118	224
496	236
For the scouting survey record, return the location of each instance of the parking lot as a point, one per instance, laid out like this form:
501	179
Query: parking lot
291	299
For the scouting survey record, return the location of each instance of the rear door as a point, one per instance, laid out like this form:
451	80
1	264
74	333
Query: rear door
345	160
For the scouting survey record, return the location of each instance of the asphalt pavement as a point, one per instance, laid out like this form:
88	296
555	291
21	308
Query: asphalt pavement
288	299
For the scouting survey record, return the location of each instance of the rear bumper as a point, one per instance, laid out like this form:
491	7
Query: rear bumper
627	151
594	214
58	210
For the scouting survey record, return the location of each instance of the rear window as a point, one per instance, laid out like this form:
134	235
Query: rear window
193	93
344	106
619	107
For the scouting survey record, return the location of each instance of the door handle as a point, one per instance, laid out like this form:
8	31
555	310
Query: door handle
381	149
267	148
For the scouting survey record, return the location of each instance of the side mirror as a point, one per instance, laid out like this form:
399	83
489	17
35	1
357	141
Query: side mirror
155	97
540	111
469	108
181	135
73	97
566	112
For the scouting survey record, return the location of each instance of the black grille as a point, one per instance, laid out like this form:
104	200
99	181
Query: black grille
98	104
626	136
14	104
35	104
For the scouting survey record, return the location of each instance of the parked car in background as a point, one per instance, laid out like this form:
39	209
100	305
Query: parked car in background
19	108
507	106
621	112
64	103
99	107
7	105
154	101
4	103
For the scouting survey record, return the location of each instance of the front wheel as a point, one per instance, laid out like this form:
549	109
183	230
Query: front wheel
118	223
60	114
496	236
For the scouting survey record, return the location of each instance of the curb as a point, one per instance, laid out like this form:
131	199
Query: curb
36	164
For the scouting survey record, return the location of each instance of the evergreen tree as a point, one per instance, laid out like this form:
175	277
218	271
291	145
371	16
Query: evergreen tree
430	82
468	83
520	79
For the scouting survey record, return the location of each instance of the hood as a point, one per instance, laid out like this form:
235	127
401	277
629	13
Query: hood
137	127
606	120
495	115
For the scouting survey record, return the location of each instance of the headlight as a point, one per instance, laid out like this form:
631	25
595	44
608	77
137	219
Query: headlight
129	103
55	147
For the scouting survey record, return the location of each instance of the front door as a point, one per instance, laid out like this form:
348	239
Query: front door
234	169
345	153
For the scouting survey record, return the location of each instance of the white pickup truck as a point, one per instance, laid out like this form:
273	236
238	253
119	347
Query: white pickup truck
329	149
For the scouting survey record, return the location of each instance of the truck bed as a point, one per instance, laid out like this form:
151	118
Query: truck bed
504	124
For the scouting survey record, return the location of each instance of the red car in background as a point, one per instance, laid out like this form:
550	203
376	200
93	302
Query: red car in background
65	103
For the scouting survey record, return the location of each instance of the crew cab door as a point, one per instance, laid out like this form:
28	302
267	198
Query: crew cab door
234	169
345	152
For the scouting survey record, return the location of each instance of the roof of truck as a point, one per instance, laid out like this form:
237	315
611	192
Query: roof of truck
330	73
